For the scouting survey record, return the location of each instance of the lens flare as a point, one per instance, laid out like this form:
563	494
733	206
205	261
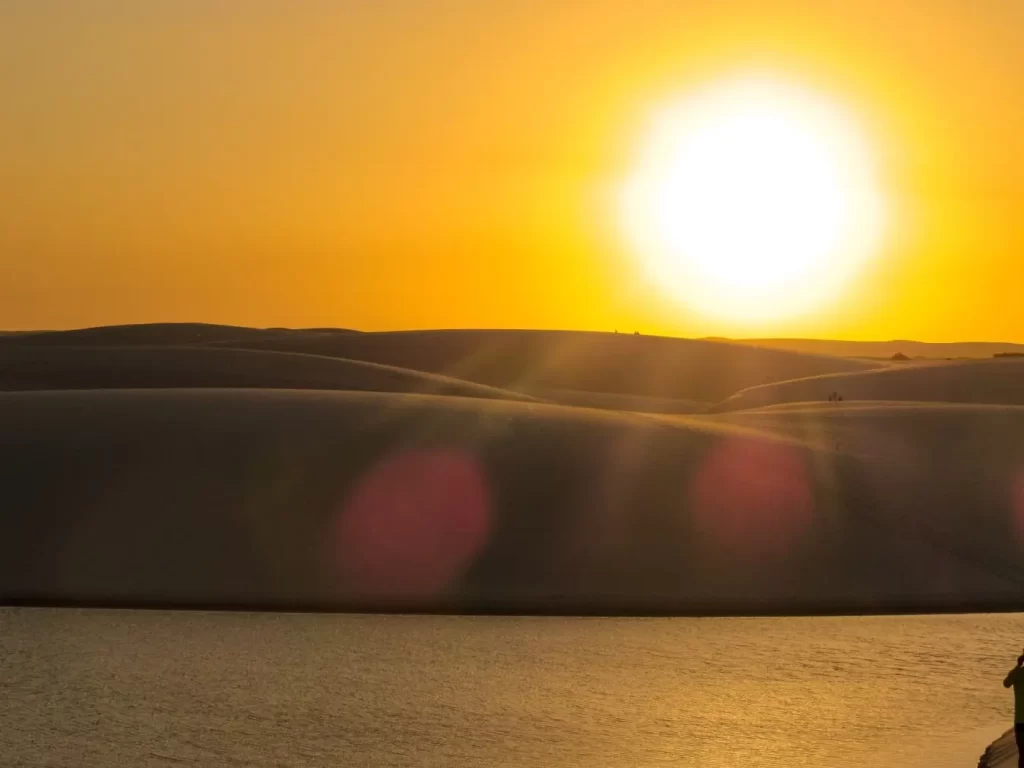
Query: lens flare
411	526
752	498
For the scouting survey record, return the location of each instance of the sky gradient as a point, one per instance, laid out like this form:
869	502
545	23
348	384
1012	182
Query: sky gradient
388	164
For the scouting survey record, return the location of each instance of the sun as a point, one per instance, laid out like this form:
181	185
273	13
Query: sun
753	199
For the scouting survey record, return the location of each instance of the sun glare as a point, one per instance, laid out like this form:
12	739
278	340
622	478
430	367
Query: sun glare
753	199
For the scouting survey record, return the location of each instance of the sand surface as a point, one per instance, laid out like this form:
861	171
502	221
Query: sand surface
886	349
153	333
651	366
126	367
1002	753
680	369
219	474
344	498
985	381
612	401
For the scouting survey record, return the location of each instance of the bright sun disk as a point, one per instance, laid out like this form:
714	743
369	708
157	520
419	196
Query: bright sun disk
753	199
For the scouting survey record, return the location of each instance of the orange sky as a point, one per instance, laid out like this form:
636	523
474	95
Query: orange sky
400	164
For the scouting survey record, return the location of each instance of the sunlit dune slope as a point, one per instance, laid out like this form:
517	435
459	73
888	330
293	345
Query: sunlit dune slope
359	500
651	366
884	429
612	401
28	368
983	381
886	349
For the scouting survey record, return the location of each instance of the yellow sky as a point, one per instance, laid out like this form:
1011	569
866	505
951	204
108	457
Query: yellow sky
449	163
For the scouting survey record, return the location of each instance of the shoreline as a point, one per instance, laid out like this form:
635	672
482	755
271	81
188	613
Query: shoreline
1001	753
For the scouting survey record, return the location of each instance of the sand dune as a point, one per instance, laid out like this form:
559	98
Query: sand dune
142	334
886	349
269	496
611	401
1002	753
649	366
569	362
145	334
187	333
29	368
387	500
985	381
954	473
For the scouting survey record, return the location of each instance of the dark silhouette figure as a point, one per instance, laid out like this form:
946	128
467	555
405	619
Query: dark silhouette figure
1016	680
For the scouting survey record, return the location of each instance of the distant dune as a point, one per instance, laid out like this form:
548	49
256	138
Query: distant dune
650	366
153	333
596	370
983	381
199	333
123	367
886	349
360	500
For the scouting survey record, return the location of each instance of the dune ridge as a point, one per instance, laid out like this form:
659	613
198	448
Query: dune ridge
649	366
982	381
125	367
886	349
589	368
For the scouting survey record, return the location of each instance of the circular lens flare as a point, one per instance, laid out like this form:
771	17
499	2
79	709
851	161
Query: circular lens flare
411	526
752	499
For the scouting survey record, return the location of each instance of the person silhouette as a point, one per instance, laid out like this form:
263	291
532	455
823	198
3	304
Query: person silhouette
1016	680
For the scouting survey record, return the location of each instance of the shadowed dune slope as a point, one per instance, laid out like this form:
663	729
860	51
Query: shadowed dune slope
359	500
28	368
142	334
953	473
982	381
649	366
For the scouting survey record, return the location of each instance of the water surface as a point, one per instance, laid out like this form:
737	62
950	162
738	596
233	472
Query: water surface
148	688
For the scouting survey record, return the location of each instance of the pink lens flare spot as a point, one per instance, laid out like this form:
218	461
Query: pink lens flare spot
412	524
751	498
